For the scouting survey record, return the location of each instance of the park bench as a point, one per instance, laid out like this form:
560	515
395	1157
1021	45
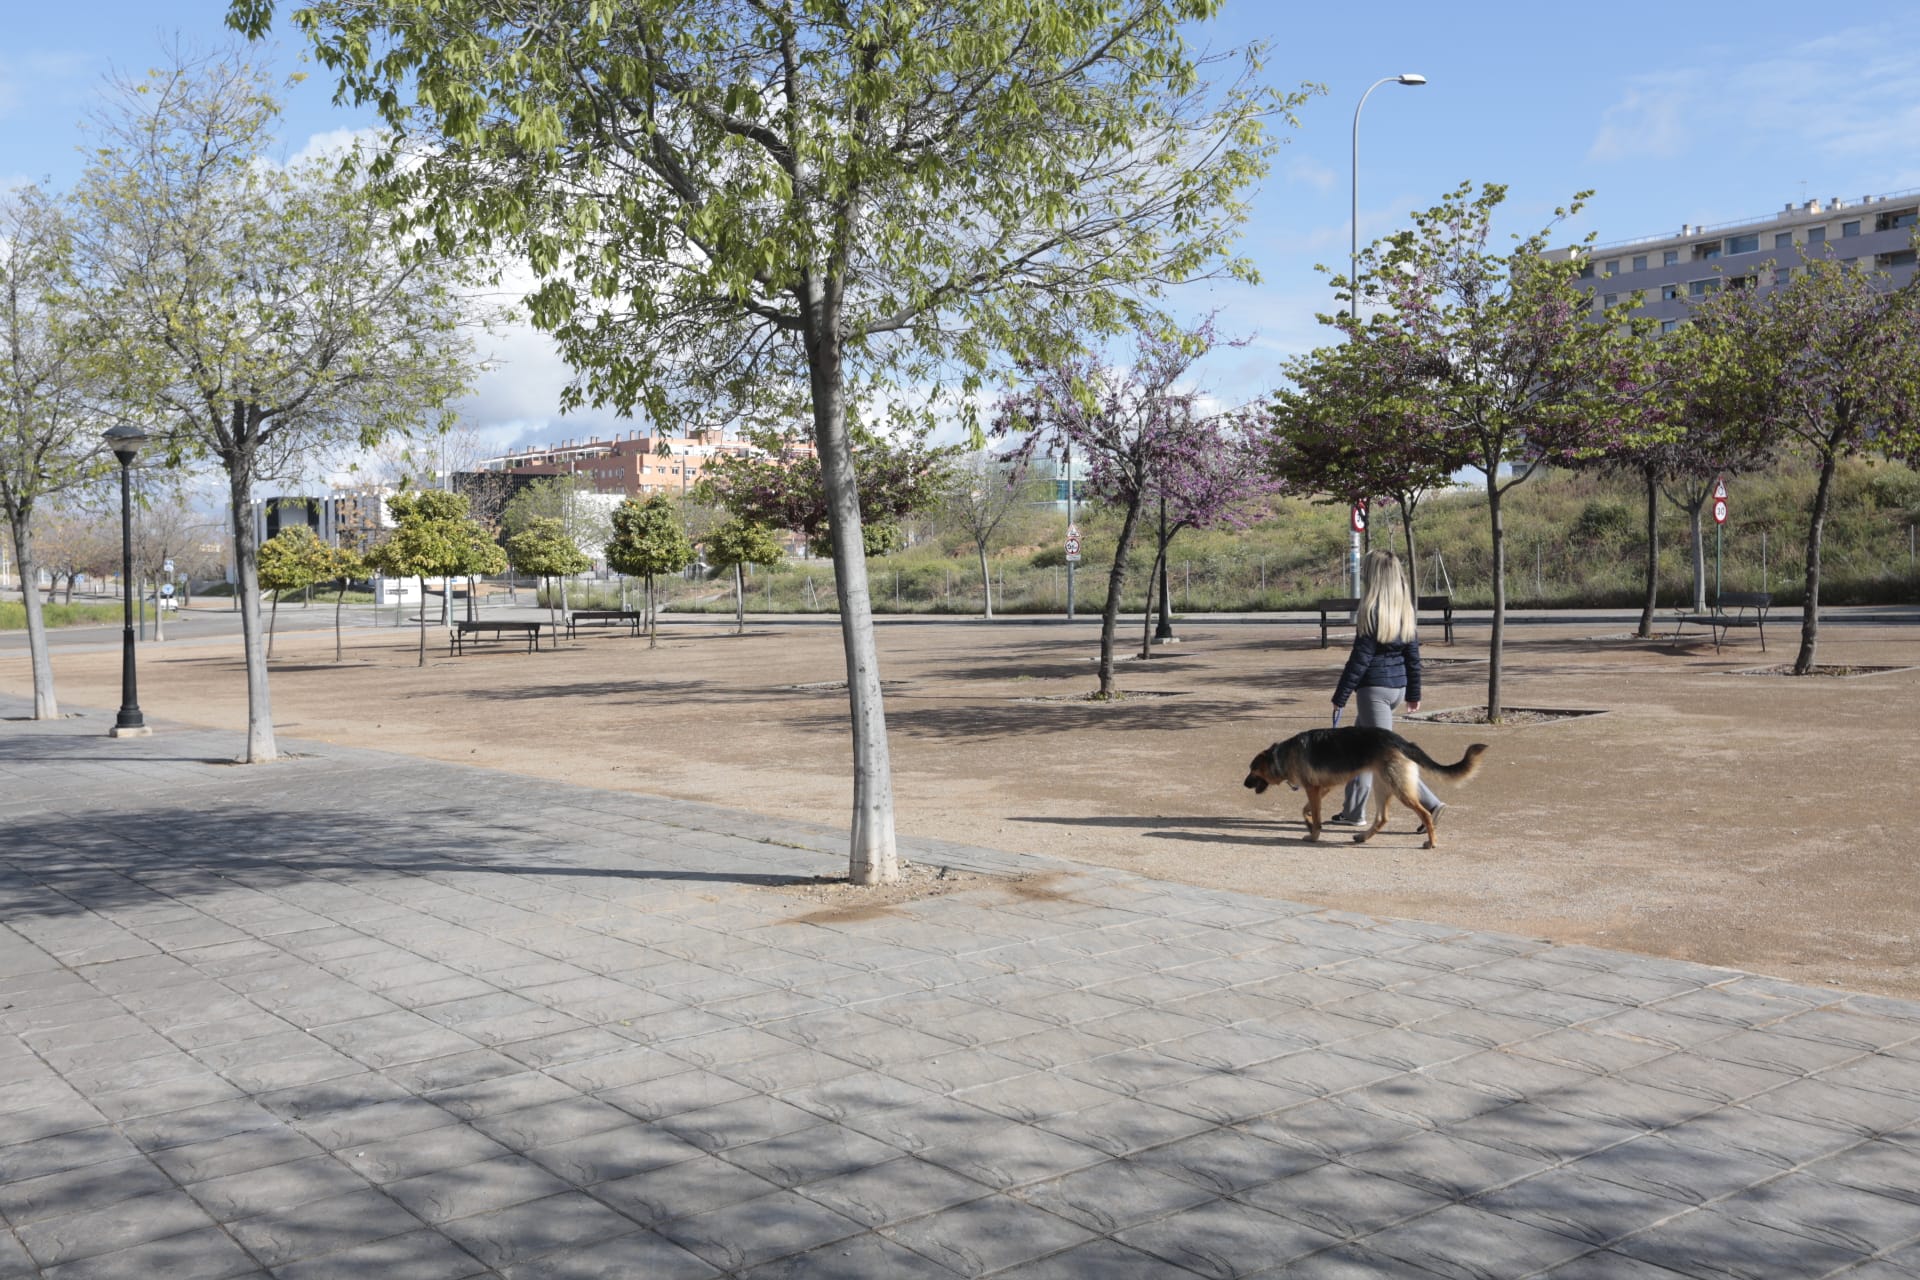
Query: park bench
1732	609
605	618
1339	613
465	632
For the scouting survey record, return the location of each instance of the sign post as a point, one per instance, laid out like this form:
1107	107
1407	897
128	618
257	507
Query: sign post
1719	521
1073	534
1357	521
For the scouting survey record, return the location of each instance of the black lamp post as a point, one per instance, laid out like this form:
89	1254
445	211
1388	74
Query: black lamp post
125	441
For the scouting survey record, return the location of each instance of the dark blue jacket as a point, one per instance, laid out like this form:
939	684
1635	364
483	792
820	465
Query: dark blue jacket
1381	664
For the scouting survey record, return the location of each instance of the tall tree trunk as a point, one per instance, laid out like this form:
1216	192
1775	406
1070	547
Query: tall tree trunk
1496	642
986	579
159	614
1413	557
1652	600
338	601
69	596
246	557
423	620
873	856
1116	581
739	600
1816	530
273	623
653	635
45	705
1156	574
553	619
1698	536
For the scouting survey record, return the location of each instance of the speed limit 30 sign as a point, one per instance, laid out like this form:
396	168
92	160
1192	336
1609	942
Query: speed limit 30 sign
1720	501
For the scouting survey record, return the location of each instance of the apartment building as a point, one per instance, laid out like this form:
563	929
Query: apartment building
631	466
1673	271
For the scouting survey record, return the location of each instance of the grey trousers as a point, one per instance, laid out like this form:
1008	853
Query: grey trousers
1373	709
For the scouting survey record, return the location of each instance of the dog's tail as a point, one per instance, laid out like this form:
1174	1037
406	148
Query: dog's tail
1468	765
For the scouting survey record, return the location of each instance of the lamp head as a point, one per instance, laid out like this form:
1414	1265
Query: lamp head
125	441
1411	78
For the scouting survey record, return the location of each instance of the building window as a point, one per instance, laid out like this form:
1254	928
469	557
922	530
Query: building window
1640	262
1816	235
1586	272
1611	300
1670	258
1699	288
1669	293
1783	240
1613	267
1902	258
1849	229
1668	326
1706	251
1743	244
1897	219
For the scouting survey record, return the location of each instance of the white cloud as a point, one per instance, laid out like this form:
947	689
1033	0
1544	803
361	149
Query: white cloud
1854	92
1310	172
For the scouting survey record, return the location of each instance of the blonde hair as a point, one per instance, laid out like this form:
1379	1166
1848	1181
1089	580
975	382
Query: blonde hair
1386	607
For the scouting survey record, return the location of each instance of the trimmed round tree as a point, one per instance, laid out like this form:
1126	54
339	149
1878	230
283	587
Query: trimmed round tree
292	560
434	538
735	544
542	548
649	538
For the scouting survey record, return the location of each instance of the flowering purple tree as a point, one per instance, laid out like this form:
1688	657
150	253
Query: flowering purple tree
1833	351
1210	475
1124	424
1498	351
781	487
1687	413
1339	431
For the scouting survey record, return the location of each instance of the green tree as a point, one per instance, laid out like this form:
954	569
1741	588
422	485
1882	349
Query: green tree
806	204
268	313
1834	352
433	537
980	498
648	538
542	548
48	376
566	499
344	564
733	544
292	560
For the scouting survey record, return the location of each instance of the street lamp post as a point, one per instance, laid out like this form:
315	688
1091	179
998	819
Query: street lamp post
1353	267
125	441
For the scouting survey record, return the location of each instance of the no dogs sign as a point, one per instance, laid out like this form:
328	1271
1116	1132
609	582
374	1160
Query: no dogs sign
1720	501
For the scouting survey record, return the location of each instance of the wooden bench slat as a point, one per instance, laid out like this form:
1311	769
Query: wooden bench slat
1332	609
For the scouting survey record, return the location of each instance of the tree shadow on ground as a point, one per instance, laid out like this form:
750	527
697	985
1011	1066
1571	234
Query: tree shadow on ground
979	721
64	863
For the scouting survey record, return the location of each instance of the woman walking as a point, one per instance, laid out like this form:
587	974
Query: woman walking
1383	669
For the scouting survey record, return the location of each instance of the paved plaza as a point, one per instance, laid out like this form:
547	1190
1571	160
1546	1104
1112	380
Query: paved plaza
361	1015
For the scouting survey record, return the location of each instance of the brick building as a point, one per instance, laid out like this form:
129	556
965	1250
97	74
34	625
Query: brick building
631	466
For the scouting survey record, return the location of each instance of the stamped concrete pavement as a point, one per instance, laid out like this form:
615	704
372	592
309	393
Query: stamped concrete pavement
369	1016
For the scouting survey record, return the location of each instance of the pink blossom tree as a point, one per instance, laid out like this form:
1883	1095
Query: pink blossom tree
1210	476
782	487
1499	350
1833	352
1126	425
1338	431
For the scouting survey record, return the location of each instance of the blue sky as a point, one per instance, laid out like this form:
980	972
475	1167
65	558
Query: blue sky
1672	114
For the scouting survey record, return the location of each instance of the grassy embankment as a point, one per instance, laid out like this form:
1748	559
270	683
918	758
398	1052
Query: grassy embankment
1572	540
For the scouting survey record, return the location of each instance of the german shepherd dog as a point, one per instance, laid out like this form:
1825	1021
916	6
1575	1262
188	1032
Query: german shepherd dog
1320	760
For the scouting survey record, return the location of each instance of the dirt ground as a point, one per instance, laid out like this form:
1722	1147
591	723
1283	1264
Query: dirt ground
1751	821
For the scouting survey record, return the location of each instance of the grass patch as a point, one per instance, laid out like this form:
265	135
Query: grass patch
13	615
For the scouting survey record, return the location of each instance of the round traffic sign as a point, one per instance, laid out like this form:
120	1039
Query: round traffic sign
1359	517
1719	510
